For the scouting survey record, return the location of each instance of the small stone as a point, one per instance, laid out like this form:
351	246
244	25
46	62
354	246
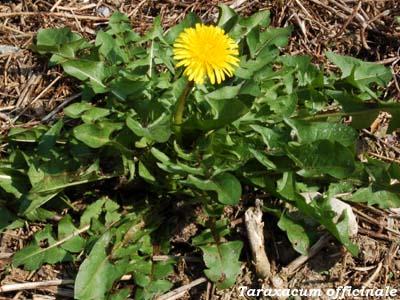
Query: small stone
339	207
5	49
104	11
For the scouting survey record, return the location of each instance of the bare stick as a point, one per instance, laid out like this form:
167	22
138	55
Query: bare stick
377	235
353	14
33	81
359	17
6	255
177	296
34	285
255	233
61	106
42	297
51	14
73	234
298	262
176	257
236	4
331	9
394	148
4	108
4	117
85	7
60	242
55	5
374	275
384	157
36	98
177	293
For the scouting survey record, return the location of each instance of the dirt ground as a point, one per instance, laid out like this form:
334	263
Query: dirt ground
367	29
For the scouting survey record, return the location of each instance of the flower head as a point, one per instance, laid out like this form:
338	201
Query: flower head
206	51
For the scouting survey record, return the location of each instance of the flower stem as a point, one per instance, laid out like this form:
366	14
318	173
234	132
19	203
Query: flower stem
180	107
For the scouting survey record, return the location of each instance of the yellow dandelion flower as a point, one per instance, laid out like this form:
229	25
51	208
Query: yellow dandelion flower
206	51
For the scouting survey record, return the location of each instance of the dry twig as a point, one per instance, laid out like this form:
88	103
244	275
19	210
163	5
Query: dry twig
255	233
51	14
34	285
298	262
179	292
374	275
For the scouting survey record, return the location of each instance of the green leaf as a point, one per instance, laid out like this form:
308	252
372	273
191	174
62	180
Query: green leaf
225	111
342	227
48	139
362	113
52	183
97	274
286	186
145	173
119	23
94	113
320	211
112	213
156	32
93	211
378	172
278	37
363	72
32	201
283	106
6	218
381	198
33	256
189	21
26	135
13	182
227	17
75	110
110	48
66	229
360	73
158	131
249	69
123	87
54	38
155	287
274	139
96	135
226	92
175	168
263	159
309	132
226	185
63	43
305	72
94	71
260	18
61	177
222	261
220	229
150	278
296	232
317	158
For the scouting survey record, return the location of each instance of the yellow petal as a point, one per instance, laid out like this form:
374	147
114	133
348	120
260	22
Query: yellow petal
205	51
